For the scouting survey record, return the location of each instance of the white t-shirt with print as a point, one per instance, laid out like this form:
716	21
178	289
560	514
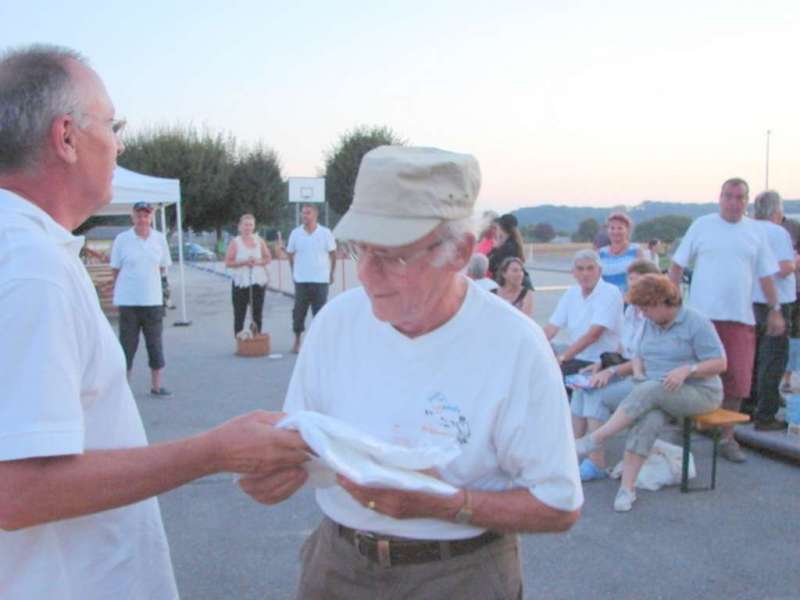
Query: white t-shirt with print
312	262
65	392
728	259
139	262
486	378
603	306
780	242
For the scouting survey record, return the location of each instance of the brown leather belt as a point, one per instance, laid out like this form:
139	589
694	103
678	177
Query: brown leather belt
388	552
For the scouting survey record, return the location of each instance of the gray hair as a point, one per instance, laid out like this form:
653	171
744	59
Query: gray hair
477	267
586	254
35	88
453	233
766	204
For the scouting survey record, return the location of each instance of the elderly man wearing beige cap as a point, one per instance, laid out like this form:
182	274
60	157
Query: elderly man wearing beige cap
418	356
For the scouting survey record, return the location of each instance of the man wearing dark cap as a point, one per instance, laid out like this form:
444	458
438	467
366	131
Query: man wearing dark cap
420	356
139	257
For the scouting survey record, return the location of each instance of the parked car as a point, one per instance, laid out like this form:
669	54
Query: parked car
192	251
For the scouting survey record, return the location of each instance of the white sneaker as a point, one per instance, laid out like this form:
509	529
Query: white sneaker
624	500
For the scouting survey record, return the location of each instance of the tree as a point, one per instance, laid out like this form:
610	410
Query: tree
203	162
587	229
343	160
543	232
666	228
256	186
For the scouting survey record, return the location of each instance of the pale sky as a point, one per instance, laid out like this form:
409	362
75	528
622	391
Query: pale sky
562	102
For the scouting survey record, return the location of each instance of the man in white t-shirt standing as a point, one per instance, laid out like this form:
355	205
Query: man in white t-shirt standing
421	356
78	514
139	257
772	351
312	258
591	312
730	256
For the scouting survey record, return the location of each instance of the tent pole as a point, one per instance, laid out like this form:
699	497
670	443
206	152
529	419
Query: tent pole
184	322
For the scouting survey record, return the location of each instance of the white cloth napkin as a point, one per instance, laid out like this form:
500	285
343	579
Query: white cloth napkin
341	448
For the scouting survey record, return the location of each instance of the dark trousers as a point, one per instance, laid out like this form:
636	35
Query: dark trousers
148	320
307	294
772	351
241	299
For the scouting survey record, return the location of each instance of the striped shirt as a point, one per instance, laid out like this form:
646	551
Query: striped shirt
615	266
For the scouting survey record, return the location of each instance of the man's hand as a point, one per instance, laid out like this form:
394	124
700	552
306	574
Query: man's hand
251	444
775	323
674	379
400	504
275	487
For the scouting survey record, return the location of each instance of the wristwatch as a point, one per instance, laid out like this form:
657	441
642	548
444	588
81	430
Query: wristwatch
775	307
464	514
693	369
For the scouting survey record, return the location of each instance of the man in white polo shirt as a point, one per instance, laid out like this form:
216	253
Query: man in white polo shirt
591	312
421	356
730	256
312	258
78	516
139	257
772	351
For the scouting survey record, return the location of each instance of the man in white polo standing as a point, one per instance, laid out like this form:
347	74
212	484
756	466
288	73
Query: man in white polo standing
731	256
139	257
312	258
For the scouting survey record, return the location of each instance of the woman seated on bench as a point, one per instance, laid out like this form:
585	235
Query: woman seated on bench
676	366
592	406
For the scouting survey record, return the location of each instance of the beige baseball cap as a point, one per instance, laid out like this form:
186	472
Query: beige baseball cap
402	193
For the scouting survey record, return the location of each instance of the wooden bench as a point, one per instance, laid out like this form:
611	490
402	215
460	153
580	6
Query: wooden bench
714	421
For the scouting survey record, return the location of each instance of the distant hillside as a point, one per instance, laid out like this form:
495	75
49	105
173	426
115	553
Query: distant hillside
566	218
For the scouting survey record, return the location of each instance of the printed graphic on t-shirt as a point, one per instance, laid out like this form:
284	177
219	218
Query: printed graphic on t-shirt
444	418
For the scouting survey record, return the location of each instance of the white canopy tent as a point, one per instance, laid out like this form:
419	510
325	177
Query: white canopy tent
129	187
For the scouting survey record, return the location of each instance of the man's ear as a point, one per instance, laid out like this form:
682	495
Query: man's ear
463	251
63	138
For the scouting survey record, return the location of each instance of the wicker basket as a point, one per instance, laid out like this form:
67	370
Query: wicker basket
258	345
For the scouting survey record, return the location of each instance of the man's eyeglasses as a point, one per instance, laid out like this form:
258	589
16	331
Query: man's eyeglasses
389	263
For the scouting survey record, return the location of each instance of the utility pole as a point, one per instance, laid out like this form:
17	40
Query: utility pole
766	169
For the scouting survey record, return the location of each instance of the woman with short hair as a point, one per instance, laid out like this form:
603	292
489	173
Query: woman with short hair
676	366
620	252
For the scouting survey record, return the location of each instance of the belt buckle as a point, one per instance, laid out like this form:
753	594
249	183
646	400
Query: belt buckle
384	552
358	537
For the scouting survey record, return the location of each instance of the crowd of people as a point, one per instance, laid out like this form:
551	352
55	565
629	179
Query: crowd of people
78	479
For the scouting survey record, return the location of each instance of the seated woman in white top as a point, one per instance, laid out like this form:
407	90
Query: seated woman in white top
510	276
247	259
676	365
592	406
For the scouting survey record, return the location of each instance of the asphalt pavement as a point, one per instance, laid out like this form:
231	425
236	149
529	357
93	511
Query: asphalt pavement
741	540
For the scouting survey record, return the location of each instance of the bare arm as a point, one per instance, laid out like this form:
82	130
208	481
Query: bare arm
676	273
786	269
266	255
40	490
583	342
775	323
508	511
332	255
550	331
230	256
527	304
